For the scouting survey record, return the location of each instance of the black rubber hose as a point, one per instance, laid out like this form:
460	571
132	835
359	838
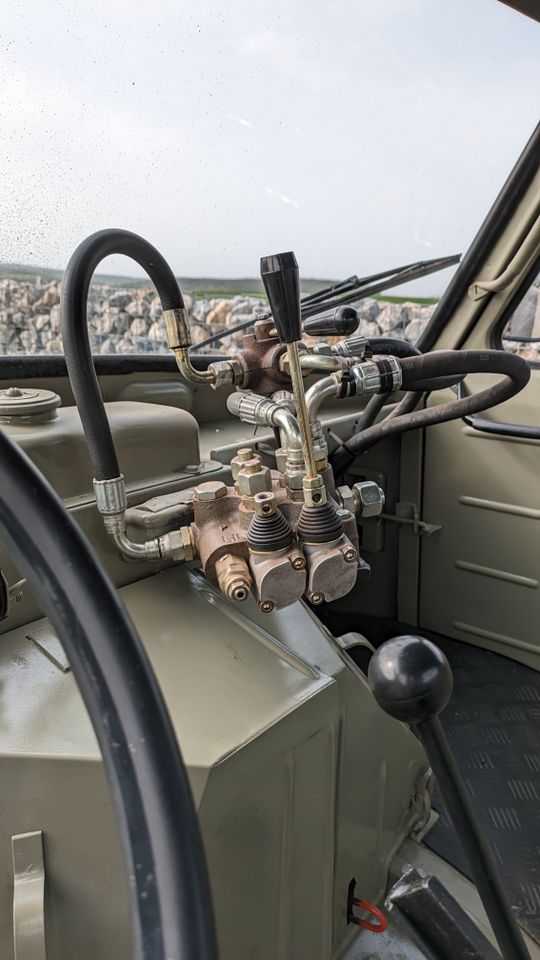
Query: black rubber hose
75	337
402	348
516	374
170	901
393	346
376	403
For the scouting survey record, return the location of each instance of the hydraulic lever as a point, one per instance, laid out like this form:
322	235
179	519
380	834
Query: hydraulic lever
280	276
412	681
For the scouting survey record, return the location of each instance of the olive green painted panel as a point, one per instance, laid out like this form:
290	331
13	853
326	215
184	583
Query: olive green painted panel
480	574
301	780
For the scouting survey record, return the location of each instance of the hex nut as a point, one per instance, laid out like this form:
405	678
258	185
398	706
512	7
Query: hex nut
281	459
212	490
223	374
173	547
368	498
346	497
252	482
245	453
188	541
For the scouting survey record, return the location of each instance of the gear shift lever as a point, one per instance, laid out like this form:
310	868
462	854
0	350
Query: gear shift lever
412	681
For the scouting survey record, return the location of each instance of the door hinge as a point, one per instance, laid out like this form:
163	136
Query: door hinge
407	515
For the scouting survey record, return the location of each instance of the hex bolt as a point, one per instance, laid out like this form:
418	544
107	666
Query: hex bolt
298	562
316	598
213	490
266	606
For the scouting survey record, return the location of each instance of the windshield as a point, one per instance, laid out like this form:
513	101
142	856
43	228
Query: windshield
363	136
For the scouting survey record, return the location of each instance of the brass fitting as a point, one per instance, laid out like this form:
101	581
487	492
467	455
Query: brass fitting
234	578
178	334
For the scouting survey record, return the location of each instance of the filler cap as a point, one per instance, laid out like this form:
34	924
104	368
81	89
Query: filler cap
279	274
28	402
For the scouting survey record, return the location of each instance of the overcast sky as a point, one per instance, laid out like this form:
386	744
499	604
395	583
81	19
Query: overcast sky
360	133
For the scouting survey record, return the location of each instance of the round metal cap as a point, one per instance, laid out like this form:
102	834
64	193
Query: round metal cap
27	402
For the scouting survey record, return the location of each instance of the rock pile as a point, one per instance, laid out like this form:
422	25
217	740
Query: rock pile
130	320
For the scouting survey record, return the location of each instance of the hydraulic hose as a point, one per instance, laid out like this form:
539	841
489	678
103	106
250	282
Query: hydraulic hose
448	363
402	349
75	337
170	899
393	346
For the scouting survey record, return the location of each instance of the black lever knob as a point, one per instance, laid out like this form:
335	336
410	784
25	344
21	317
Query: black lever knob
281	281
338	323
410	678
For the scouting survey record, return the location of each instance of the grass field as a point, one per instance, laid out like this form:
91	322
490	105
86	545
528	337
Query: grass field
199	287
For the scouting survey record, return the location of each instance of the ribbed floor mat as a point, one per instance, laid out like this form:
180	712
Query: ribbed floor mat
493	726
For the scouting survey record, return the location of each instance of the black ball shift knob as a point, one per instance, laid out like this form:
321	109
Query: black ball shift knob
410	678
279	274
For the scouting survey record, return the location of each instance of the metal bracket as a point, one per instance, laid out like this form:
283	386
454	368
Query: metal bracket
407	515
28	897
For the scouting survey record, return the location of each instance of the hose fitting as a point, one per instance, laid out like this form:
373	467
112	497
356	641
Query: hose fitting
378	375
111	502
178	334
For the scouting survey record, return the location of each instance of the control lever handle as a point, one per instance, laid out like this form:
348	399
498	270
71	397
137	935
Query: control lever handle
280	276
411	680
341	322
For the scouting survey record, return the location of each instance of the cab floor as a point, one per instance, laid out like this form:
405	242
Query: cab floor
493	726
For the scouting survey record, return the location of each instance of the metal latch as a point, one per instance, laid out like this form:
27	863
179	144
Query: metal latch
407	514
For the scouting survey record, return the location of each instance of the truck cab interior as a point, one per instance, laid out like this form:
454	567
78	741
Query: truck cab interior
270	653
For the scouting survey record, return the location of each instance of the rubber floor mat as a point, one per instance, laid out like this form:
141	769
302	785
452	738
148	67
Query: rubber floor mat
493	726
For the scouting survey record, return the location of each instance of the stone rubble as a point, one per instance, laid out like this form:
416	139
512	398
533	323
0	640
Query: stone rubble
130	321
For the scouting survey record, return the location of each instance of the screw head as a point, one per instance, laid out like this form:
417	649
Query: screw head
316	598
350	555
266	606
298	562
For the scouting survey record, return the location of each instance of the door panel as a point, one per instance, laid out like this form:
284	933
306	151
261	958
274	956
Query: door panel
479	576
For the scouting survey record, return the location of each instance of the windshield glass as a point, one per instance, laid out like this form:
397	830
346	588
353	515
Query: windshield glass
363	136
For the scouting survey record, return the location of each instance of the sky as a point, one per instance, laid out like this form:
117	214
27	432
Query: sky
362	134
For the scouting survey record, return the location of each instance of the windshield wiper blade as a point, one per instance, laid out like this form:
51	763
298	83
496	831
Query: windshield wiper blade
363	287
412	272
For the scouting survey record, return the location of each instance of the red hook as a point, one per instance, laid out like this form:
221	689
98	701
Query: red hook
379	927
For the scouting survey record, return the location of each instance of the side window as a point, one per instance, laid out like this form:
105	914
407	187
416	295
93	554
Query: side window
522	332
